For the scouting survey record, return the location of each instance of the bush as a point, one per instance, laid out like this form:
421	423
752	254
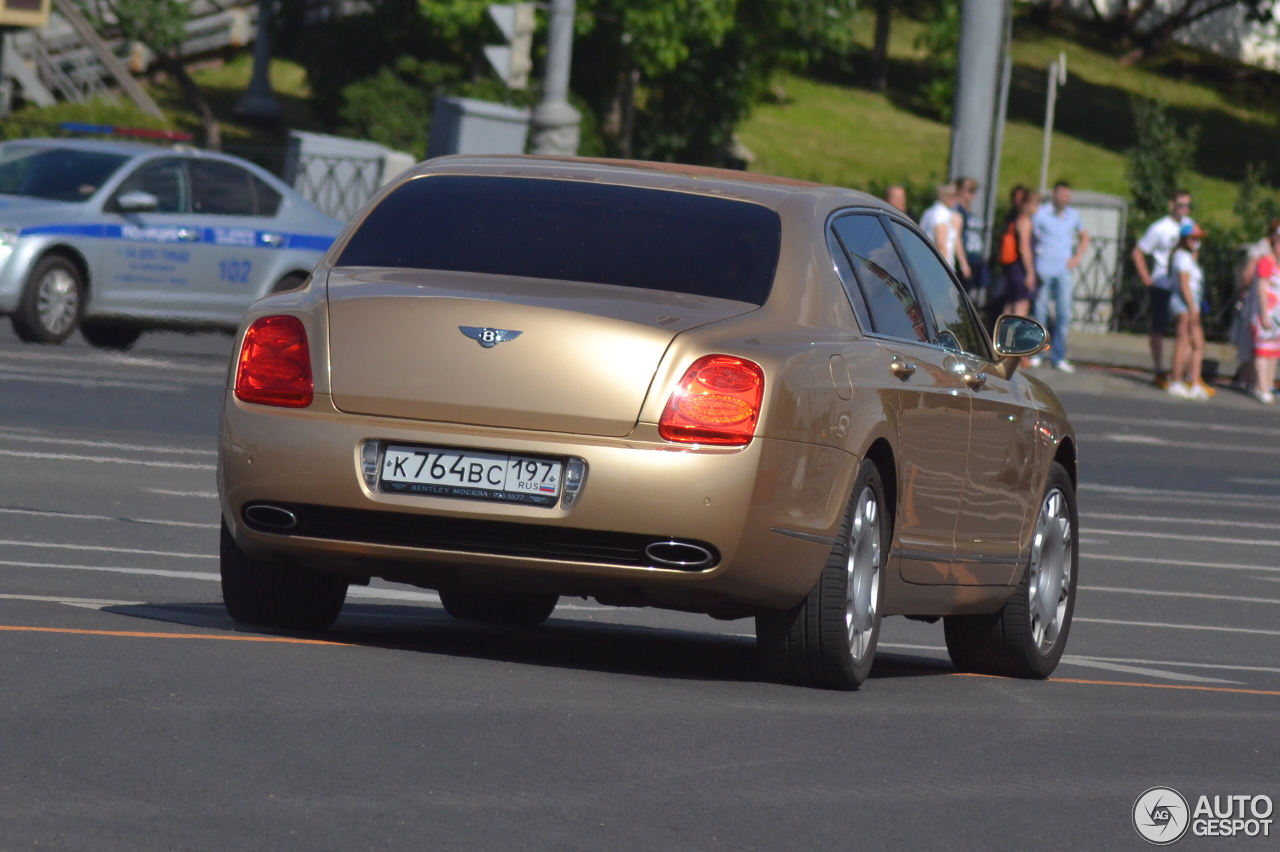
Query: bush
393	105
1160	157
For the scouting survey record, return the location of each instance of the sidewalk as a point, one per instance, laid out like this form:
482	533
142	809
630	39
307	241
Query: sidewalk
1117	349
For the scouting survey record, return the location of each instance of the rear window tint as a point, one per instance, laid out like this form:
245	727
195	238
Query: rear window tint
571	231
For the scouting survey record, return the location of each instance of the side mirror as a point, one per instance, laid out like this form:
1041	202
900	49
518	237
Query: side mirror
137	202
1016	338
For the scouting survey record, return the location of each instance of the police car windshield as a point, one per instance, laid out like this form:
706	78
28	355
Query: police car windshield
55	174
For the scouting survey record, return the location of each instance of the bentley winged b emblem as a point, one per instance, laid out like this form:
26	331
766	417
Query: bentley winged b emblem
489	337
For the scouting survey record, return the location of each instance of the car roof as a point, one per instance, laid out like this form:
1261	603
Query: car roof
768	190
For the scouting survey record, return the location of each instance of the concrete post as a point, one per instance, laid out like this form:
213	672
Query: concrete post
259	103
555	122
980	56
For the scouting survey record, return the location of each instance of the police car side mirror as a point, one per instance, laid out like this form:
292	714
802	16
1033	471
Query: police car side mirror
137	202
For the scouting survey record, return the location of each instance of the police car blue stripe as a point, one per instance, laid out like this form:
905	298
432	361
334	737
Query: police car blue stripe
245	237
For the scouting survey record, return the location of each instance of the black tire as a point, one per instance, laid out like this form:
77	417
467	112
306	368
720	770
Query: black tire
507	610
811	643
1006	643
51	303
110	335
292	281
274	594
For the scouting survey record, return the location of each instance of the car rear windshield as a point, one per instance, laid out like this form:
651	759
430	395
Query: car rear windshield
55	174
574	231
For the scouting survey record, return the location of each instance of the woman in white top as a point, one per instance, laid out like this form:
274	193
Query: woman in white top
942	223
1184	304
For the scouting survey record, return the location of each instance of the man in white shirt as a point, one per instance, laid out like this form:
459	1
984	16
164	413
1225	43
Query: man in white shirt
1159	242
942	224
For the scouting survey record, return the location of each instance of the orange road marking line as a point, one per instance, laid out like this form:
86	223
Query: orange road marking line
285	640
1133	683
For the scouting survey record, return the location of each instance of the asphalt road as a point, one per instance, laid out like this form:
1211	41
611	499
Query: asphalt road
134	715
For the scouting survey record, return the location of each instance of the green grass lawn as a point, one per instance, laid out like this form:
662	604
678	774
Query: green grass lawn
842	134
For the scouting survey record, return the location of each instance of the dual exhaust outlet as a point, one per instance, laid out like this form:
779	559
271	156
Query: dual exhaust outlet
670	554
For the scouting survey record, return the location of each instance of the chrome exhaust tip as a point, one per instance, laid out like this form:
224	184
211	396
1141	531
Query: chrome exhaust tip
680	555
264	516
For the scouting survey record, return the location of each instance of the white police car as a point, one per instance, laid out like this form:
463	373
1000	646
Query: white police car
120	237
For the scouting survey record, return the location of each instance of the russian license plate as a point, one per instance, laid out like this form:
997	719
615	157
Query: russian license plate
471	475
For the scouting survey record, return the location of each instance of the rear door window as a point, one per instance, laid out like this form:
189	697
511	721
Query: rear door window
221	189
574	231
881	277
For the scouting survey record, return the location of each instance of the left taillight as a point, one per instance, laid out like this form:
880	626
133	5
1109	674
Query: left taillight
717	402
275	364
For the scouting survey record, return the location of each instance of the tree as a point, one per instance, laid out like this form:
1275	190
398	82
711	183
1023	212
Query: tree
160	25
1147	26
1161	155
671	79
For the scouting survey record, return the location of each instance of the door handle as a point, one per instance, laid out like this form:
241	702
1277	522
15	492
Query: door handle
902	369
188	235
974	380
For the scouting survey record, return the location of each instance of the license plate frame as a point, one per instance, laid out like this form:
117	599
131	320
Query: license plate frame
463	473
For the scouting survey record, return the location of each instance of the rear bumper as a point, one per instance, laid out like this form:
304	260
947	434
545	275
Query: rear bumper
637	489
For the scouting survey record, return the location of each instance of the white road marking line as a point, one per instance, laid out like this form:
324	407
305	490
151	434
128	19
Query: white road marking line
1078	659
1133	439
1197	498
1146	672
392	594
6	435
1244	480
114	361
107	460
1197	595
1207	539
1185	445
77	517
148	572
1205	627
1157	519
93	602
89	383
1177	664
212	495
1147	425
1178	563
101	549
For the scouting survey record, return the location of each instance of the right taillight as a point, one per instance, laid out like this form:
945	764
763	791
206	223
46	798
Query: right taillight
717	402
275	364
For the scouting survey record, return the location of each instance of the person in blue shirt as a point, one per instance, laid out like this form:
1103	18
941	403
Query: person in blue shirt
1060	244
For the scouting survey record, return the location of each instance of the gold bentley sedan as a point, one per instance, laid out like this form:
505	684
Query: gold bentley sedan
513	379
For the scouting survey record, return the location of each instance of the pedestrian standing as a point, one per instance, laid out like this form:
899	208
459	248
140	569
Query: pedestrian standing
1246	306
1060	244
1017	253
1266	323
1158	242
896	196
942	224
1184	307
972	240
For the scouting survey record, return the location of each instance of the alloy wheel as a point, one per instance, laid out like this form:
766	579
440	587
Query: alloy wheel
1049	585
57	301
863	565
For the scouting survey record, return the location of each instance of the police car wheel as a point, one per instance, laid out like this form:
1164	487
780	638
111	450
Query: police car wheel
51	303
110	335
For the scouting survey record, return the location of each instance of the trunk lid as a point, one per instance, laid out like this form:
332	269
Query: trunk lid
582	363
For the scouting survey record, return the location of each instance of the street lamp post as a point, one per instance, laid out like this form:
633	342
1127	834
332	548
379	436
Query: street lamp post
555	122
259	103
